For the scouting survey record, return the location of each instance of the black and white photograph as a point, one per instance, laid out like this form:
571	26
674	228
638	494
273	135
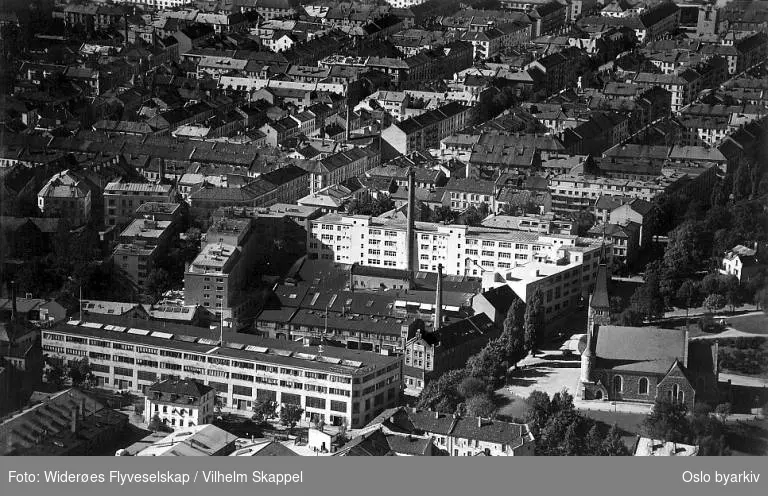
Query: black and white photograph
390	228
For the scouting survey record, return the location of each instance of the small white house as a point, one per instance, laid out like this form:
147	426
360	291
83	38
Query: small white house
742	262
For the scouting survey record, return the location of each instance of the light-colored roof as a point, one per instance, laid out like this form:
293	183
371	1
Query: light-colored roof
654	447
198	440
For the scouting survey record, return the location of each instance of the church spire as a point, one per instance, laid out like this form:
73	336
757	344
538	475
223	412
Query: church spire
602	246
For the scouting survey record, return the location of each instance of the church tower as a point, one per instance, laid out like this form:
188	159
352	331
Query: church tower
599	313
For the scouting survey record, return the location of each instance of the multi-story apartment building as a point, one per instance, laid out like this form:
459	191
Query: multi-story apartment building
462	250
337	385
564	283
485	44
121	199
393	102
218	277
66	195
572	193
337	168
140	244
426	130
624	240
548	223
559	68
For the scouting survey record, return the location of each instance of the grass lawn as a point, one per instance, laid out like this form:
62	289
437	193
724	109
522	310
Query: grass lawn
748	438
511	406
631	424
755	324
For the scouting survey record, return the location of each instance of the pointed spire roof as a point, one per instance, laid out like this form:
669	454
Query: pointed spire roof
600	294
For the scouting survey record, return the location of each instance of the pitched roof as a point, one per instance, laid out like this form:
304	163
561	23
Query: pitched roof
641	349
492	431
600	294
179	387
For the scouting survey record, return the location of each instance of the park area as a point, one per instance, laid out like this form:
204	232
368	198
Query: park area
752	323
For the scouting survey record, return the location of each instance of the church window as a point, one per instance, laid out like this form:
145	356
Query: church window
618	385
678	394
642	386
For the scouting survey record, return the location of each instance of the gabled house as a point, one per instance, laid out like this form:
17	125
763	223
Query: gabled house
743	262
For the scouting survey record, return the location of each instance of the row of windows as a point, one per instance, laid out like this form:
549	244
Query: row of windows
187	356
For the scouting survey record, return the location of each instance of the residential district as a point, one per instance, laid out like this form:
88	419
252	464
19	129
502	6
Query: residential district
401	227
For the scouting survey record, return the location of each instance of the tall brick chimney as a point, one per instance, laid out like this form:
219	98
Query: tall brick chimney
439	298
14	314
411	220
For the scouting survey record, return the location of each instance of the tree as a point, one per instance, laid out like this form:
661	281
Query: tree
616	304
263	410
80	372
714	302
512	335
370	206
442	394
190	246
158	281
593	444
471	217
647	300
290	416
761	299
490	364
483	210
54	374
613	444
687	294
630	317
444	214
668	420
742	186
723	410
157	425
480	405
534	319
573	443
732	292
539	407
471	386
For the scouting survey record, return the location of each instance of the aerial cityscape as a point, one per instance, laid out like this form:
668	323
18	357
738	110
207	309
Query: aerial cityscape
384	227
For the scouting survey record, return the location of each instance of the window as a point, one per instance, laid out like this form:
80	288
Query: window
314	402
642	387
618	385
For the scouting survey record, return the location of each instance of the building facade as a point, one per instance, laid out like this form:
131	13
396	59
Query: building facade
121	199
179	403
462	250
66	195
340	386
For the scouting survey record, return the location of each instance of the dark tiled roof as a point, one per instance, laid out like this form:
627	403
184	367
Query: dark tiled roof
600	295
500	298
492	431
180	387
647	349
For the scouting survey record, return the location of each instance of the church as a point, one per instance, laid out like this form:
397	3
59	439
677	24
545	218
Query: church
642	364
